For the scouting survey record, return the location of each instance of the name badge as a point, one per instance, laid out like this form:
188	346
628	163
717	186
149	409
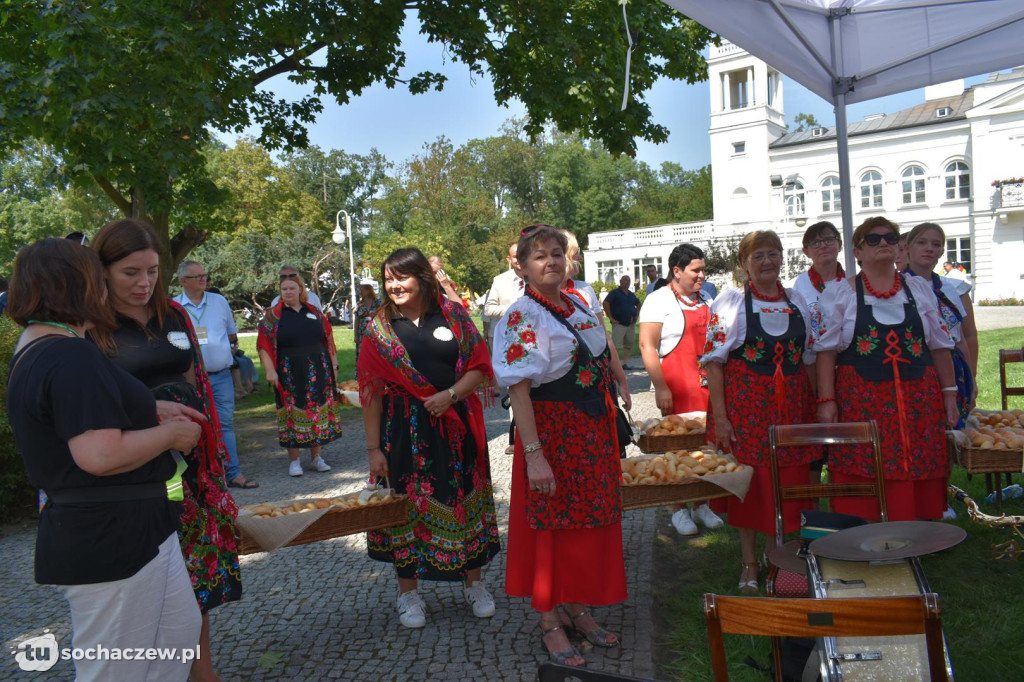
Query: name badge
202	335
311	316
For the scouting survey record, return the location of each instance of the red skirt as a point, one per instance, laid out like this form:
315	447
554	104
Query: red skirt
757	510
906	500
582	565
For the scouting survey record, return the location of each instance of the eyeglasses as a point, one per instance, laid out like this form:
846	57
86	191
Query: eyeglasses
290	275
825	241
762	256
874	239
204	276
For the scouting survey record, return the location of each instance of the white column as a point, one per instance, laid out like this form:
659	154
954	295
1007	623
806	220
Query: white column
751	98
716	92
726	92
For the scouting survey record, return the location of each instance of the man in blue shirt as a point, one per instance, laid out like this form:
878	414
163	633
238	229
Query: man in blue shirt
218	337
622	307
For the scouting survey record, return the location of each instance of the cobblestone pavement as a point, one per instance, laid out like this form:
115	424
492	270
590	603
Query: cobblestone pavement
326	611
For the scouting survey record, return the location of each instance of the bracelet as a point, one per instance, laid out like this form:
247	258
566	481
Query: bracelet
375	447
822	401
453	395
532	447
949	389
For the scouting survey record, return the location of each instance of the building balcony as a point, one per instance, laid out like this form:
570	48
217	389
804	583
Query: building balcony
1011	195
675	233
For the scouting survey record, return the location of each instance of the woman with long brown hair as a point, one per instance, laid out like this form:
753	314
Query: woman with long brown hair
154	341
296	346
421	366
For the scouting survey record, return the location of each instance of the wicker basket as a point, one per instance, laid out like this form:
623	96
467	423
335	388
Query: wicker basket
991	461
659	444
343	521
664	494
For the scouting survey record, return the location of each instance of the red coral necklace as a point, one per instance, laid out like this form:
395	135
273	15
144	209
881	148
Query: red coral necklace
564	312
896	286
685	301
766	297
817	280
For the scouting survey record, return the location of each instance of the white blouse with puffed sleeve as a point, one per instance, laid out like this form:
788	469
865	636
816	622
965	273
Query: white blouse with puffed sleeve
727	328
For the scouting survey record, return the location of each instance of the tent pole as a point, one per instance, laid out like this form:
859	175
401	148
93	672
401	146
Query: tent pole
845	194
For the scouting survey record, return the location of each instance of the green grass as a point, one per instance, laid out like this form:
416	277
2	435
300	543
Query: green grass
981	597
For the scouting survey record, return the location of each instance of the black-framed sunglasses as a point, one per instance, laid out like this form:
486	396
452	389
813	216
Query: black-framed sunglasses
530	229
203	276
289	275
874	239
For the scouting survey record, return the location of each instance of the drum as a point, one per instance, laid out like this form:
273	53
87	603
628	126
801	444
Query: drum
871	659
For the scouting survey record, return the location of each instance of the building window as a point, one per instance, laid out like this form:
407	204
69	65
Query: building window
958	250
739	148
639	275
795	200
796	262
608	270
913	186
830	201
871	190
958	181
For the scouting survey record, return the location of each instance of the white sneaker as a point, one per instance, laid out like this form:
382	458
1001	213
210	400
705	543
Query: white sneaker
707	517
320	465
683	523
949	514
480	599
294	468
411	609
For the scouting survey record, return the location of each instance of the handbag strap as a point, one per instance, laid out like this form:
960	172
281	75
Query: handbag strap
20	355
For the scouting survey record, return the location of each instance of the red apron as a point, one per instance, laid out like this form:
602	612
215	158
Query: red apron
684	375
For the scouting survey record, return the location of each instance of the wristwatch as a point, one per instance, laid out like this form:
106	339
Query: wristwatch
453	395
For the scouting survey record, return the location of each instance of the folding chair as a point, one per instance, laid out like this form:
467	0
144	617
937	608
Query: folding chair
1006	356
788	583
865	617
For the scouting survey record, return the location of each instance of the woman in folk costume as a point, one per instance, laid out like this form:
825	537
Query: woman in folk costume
926	243
565	530
758	375
883	353
673	328
421	365
296	347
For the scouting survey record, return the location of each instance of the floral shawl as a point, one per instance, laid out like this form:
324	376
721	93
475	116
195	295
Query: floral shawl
384	367
266	337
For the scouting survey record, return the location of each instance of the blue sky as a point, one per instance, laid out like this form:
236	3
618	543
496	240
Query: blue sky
398	124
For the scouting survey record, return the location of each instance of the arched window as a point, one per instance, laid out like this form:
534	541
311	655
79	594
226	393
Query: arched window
795	200
958	181
871	190
913	185
830	201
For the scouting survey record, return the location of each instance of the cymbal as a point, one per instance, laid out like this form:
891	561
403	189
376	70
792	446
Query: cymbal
786	558
890	540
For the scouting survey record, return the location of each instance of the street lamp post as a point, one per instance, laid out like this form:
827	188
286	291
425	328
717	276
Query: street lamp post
339	238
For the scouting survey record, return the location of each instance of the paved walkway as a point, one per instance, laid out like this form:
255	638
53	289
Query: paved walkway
998	317
325	611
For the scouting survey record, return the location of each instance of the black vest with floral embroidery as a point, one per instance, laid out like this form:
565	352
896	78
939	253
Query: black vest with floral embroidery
761	352
877	347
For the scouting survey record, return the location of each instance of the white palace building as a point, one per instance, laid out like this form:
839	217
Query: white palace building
957	160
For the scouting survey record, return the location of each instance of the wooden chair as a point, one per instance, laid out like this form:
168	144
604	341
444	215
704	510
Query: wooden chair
804	435
1006	356
865	617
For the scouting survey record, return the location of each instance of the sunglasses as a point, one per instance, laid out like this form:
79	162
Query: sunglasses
202	277
874	239
290	275
530	229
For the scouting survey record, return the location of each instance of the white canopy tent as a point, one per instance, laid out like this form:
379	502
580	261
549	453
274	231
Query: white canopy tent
853	50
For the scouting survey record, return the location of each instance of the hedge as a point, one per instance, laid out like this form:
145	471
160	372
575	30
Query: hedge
16	495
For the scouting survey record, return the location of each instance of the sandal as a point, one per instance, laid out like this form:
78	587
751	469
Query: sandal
597	636
750	586
565	655
246	483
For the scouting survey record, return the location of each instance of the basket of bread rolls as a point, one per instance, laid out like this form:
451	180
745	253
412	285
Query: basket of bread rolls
674	432
270	525
993	442
680	476
348	392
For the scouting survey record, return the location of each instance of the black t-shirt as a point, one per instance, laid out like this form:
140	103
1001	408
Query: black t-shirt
61	389
432	348
298	330
153	355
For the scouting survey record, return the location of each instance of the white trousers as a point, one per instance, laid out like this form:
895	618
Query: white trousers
155	608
